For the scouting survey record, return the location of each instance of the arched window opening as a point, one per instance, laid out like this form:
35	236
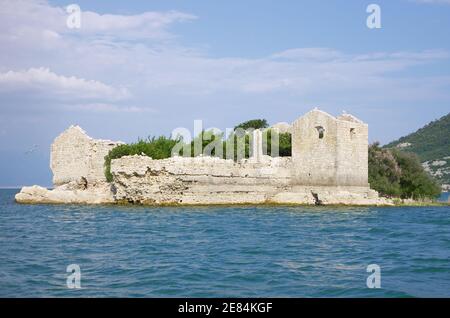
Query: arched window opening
321	131
352	132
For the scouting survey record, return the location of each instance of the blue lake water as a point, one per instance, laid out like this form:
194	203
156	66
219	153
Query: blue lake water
444	197
222	251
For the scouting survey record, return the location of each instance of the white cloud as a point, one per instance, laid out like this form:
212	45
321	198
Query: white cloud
300	72
147	25
309	54
108	108
24	17
158	71
43	81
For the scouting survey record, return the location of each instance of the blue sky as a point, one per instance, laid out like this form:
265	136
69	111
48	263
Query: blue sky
139	68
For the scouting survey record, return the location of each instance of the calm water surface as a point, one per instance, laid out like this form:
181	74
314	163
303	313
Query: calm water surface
222	251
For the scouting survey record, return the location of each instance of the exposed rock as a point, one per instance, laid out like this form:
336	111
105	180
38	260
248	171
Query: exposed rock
100	194
439	169
438	163
404	145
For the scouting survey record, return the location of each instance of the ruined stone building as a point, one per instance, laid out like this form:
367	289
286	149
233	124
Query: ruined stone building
329	165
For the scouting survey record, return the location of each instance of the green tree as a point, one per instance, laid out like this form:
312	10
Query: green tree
209	142
395	173
384	171
254	123
283	141
415	182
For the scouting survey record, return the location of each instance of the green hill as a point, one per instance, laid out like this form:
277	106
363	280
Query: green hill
432	144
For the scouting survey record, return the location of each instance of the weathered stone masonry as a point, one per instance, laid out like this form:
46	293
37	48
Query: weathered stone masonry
328	165
75	157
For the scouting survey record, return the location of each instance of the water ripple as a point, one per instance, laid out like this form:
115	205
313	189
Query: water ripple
220	251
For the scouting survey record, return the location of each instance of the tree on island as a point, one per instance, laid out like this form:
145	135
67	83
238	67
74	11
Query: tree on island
395	173
254	123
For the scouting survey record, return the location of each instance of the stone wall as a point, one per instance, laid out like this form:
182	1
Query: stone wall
352	152
199	180
207	180
76	157
330	151
314	149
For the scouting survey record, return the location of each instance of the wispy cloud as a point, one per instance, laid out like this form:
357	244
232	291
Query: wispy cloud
42	58
39	15
42	81
432	1
316	54
107	108
150	25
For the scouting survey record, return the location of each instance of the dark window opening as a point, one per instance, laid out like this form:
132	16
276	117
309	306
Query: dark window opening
321	131
352	132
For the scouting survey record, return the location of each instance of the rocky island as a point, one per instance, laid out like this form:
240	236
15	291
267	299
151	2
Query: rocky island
329	165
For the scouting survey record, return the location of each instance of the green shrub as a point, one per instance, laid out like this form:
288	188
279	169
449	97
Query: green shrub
384	171
415	182
207	141
156	148
395	173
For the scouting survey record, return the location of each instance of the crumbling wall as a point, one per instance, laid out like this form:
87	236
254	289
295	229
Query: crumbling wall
76	161
198	180
77	158
207	180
